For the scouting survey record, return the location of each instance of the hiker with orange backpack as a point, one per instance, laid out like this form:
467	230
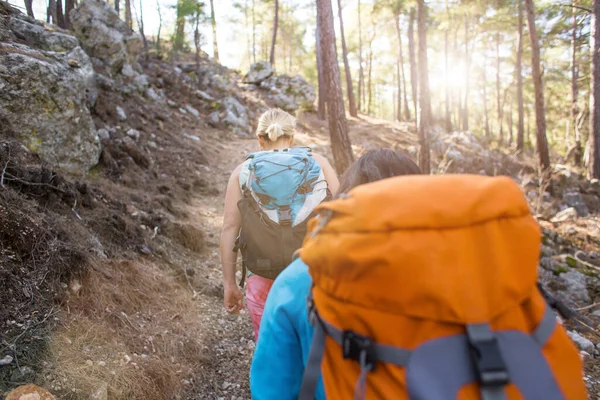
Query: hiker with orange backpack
269	198
421	287
286	334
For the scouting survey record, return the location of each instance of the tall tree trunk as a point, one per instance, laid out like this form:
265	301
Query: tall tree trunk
214	31
29	7
338	126
401	62
60	17
542	143
425	118
485	106
370	87
519	73
196	38
349	89
361	75
117	8
448	119
458	94
510	122
594	156
69	6
412	59
498	102
141	26
128	21
52	12
398	112
575	89
159	25
321	110
179	27
398	98
465	115
253	32
275	23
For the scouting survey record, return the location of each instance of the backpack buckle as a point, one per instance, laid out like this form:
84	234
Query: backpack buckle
285	215
359	348
486	355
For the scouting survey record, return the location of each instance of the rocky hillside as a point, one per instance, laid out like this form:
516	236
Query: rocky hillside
113	165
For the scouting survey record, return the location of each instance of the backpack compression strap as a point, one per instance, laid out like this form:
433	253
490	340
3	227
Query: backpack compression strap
490	368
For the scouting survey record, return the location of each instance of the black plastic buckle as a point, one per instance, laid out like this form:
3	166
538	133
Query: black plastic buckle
354	345
285	215
489	363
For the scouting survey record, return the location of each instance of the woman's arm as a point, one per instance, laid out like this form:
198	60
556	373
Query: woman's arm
232	222
330	175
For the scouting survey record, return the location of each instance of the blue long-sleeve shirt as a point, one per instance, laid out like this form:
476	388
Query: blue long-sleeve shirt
284	338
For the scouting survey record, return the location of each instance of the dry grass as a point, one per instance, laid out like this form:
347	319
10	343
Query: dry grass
131	330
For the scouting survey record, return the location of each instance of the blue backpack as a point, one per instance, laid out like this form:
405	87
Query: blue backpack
280	190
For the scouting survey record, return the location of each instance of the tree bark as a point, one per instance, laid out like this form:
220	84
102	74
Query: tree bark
60	17
361	73
51	14
413	59
519	73
485	106
159	25
196	37
542	142
465	114
141	25
321	110
498	102
69	6
179	27
448	119
594	155
214	31
577	153
253	32
117	8
401	62
29	7
370	88
338	125
128	21
424	102
510	123
275	23
349	89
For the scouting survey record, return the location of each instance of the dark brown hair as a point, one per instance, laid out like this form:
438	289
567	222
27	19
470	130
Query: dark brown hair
375	165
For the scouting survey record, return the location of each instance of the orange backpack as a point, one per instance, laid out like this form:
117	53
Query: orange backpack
424	288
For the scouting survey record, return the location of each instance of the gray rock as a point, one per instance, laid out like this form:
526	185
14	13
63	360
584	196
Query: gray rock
259	72
204	96
6	360
575	286
193	137
23	375
36	35
103	134
182	110
236	116
45	102
192	111
213	119
121	114
596	313
141	81
575	199
568	214
128	71
134	134
581	342
546	251
171	104
104	35
151	94
290	93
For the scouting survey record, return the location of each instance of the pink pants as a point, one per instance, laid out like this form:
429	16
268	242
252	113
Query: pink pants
257	289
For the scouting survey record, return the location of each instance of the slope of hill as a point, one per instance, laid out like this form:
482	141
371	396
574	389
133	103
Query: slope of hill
111	277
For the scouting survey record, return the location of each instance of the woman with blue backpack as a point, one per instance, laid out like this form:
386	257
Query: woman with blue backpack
269	199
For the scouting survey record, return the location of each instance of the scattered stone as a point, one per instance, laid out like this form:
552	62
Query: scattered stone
192	111
213	119
547	251
101	393
121	113
134	134
581	342
568	214
73	63
204	96
193	137
6	360
152	144
575	200
236	116
171	104
103	134
152	95
259	72
23	374
104	35
575	284
596	313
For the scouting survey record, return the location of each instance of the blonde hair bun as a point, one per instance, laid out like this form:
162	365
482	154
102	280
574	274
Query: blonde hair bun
276	123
